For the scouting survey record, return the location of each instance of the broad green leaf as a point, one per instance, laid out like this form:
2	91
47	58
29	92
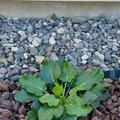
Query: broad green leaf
60	61
103	96
35	105
68	117
47	113
50	99
100	87
75	106
74	90
50	71
68	72
89	97
95	104
88	79
32	115
58	89
33	84
23	96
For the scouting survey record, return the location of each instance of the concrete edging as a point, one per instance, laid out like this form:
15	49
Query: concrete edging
43	9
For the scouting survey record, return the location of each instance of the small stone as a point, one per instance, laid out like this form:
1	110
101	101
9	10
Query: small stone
85	57
22	110
10	57
114	98
88	35
108	80
6	113
22	34
33	51
53	34
33	69
5	104
29	28
96	62
104	67
39	59
118	32
25	66
84	61
60	30
3	86
25	55
3	70
114	48
4	36
5	96
36	42
52	41
54	57
77	40
95	118
14	49
99	55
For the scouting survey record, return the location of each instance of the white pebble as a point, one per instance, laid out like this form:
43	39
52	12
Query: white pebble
14	49
54	57
36	41
99	55
25	55
39	59
84	62
52	41
60	30
77	40
85	57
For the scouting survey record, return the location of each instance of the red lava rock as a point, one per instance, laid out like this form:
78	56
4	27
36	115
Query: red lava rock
114	98
16	106
107	117
5	112
12	86
3	86
3	118
5	95
95	118
5	104
22	110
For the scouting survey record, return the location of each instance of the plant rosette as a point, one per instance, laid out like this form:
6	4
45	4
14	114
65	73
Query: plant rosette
62	92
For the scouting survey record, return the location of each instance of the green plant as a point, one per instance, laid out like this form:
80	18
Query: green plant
62	92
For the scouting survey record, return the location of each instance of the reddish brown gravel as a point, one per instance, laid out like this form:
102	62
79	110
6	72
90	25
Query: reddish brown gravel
13	110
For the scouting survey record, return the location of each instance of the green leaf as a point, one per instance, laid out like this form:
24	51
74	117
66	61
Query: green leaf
68	117
35	105
47	113
33	84
23	96
75	106
49	99
58	89
74	90
103	96
68	72
89	97
32	115
50	71
88	79
99	87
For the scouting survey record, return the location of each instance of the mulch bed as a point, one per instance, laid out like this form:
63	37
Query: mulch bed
13	110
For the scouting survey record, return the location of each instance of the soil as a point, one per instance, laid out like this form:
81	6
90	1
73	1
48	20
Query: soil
13	110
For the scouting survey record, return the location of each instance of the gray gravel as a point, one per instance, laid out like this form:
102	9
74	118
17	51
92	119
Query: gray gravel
87	43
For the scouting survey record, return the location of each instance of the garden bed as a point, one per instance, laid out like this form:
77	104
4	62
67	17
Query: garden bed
13	110
86	42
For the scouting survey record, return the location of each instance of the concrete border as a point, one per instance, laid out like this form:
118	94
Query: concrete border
43	9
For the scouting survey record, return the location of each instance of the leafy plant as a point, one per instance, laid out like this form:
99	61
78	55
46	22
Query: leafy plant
62	92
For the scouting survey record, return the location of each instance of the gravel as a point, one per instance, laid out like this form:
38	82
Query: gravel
85	42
